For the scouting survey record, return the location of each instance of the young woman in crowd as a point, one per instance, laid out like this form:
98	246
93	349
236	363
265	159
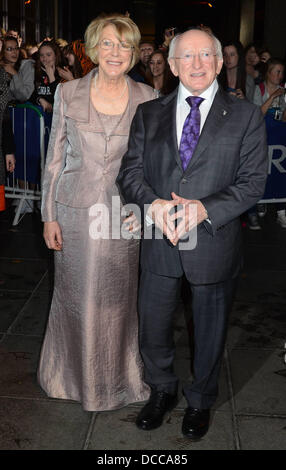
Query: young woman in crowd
251	60
78	63
73	68
20	73
233	75
269	94
254	69
46	75
159	74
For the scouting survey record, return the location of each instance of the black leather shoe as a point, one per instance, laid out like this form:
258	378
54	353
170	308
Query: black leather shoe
152	414
195	423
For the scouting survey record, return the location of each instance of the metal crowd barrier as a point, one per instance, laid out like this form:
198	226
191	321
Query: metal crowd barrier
31	128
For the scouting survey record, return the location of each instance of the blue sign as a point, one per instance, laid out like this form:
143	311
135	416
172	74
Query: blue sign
275	190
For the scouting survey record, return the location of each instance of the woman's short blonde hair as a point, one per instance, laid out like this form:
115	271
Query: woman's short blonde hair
123	25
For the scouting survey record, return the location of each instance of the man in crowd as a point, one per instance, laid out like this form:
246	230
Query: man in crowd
138	72
15	34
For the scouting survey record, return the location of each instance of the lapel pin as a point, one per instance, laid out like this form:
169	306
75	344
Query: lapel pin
224	112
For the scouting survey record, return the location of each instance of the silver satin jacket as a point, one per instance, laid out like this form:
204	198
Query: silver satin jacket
73	176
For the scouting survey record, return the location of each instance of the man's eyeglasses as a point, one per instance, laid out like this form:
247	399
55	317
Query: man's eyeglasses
107	45
205	57
10	49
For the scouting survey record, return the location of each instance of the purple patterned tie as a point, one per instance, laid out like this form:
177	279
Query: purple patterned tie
191	130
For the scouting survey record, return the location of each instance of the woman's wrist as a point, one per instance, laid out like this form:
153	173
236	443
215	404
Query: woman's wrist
52	78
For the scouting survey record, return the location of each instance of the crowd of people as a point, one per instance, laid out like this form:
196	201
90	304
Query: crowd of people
171	126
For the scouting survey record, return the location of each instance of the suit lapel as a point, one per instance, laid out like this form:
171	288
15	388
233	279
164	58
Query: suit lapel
169	126
218	115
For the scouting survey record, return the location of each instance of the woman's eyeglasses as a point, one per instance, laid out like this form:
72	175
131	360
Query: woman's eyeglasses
108	45
11	49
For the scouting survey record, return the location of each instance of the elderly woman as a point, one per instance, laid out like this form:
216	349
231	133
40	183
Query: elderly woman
90	351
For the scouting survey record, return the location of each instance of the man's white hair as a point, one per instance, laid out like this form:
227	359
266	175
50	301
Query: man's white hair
173	44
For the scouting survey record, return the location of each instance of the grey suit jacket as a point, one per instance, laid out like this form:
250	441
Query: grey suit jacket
72	176
227	173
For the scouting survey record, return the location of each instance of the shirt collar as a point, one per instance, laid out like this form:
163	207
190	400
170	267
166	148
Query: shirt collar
208	94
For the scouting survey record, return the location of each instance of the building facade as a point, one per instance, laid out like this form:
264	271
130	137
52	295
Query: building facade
261	21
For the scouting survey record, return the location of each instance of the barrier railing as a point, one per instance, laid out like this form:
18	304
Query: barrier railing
31	132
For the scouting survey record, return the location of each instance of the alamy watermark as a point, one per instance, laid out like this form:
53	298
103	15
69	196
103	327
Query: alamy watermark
126	222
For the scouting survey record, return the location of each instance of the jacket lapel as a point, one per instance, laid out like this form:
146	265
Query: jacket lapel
218	115
169	126
79	106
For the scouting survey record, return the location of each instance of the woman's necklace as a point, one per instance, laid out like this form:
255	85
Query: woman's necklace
106	97
108	133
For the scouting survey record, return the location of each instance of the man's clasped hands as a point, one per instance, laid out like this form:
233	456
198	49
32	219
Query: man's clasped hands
174	218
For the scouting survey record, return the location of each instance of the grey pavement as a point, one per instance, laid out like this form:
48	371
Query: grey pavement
250	413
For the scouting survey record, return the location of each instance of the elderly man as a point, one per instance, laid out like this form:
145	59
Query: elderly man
203	153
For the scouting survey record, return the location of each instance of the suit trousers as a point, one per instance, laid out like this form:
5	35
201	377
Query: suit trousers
159	297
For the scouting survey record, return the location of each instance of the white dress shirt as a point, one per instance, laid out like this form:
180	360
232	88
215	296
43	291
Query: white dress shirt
183	108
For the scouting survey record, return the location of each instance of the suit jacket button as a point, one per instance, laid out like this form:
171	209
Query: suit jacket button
184	180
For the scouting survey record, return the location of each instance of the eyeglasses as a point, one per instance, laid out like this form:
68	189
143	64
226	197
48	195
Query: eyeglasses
107	45
10	49
205	57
